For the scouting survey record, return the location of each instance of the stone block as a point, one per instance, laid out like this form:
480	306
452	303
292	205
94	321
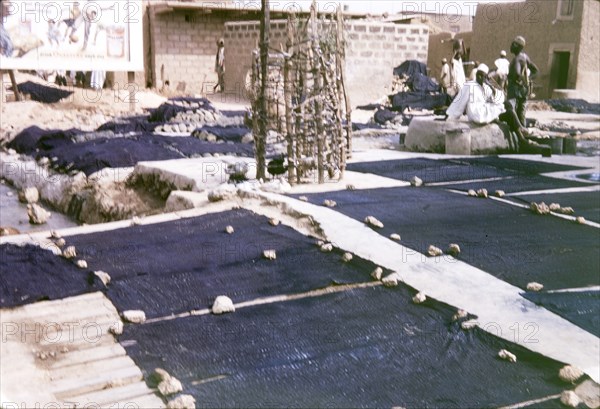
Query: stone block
458	141
456	137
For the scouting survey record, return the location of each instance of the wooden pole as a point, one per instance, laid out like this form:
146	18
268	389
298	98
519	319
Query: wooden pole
339	57
317	81
13	80
288	89
132	90
342	75
262	98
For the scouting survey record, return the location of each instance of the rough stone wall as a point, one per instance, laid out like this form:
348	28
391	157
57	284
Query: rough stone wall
373	50
588	74
496	25
185	45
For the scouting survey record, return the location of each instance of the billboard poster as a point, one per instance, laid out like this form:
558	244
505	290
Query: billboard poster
83	35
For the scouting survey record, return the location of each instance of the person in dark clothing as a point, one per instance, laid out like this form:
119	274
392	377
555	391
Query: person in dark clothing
521	69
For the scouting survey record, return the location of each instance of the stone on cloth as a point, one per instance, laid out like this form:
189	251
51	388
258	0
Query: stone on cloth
222	305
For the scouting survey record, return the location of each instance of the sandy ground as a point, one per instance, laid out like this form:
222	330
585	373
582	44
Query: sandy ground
85	109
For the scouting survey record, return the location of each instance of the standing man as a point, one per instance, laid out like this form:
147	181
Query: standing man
445	80
220	65
518	80
502	66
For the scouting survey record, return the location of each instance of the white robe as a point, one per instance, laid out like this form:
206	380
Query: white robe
479	102
458	73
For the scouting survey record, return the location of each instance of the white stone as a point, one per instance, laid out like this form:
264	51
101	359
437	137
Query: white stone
182	402
303	198
434	251
533	286
70	252
327	247
270	254
580	220
416	181
570	399
482	193
395	236
499	193
419	298
136	221
507	356
566	210
104	277
376	274
160	374
459	315
346	257
390	281
170	386
472	193
329	203
469	324
539	208
372	221
116	328
29	195
55	235
570	373
350	187
273	221
134	316
229	229
60	242
222	305
453	249
554	207
81	264
37	214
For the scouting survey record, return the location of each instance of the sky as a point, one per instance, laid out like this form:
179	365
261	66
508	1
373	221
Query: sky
466	7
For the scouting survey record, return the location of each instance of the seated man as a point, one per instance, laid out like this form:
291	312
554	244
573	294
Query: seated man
484	104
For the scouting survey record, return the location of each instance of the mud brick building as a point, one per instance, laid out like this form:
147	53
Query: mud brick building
180	45
562	39
373	50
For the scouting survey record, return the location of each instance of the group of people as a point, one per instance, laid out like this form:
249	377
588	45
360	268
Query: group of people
500	98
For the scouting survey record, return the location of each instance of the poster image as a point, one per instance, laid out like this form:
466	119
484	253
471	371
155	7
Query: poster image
71	35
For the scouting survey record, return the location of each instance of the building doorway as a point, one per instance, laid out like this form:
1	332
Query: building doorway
559	73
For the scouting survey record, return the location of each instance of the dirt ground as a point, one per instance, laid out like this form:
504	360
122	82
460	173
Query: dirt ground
84	109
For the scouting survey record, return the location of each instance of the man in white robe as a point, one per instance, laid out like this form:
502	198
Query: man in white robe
480	101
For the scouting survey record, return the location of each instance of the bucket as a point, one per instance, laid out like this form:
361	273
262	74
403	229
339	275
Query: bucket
570	146
555	143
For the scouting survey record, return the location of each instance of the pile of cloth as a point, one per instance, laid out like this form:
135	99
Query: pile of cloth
412	88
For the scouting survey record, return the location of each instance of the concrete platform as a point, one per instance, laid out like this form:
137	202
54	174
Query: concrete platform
425	134
60	354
